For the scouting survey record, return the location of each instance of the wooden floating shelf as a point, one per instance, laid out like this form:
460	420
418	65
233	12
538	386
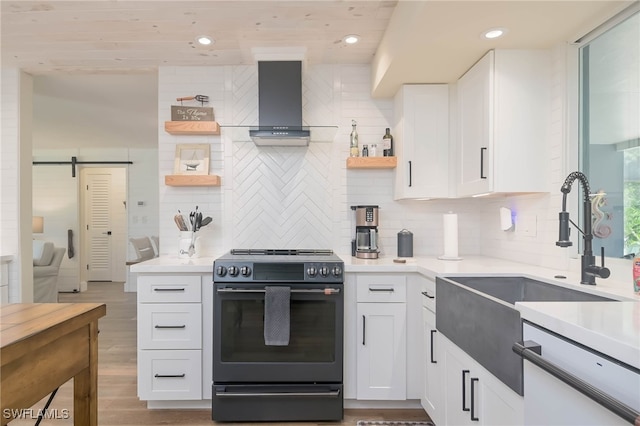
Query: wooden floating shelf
192	180
372	162
192	127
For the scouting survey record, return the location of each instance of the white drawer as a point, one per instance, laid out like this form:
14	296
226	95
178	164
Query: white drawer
170	326
381	288
169	375
429	294
169	288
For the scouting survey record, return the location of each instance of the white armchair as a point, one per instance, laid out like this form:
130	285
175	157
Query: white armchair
46	265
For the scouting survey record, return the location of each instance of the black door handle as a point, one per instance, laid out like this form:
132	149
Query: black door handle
464	390
433	332
482	150
473	405
409	173
364	323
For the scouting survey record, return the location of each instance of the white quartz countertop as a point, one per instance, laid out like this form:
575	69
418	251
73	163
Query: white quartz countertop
612	328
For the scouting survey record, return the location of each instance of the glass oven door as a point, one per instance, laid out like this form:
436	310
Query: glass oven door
314	352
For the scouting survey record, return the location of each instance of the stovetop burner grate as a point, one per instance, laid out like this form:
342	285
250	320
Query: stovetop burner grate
282	252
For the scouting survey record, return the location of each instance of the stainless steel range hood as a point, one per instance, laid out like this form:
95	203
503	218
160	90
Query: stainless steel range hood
280	105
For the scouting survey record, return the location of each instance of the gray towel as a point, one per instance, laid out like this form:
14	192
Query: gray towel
276	316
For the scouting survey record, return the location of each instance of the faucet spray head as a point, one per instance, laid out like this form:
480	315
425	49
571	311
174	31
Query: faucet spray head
563	239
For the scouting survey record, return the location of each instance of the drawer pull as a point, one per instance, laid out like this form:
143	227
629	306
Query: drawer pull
427	295
169	289
169	376
171	326
382	290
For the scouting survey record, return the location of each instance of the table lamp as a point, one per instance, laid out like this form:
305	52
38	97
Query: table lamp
37	225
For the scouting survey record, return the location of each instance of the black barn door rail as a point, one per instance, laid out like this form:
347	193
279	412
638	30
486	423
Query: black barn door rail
531	351
74	161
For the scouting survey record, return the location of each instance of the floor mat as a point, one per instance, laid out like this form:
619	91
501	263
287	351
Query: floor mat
391	423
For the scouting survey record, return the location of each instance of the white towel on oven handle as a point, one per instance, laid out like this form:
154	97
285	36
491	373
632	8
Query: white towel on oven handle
277	315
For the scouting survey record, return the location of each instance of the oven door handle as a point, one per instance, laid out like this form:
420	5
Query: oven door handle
254	394
326	291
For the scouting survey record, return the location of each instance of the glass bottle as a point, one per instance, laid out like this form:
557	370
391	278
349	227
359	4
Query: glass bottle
387	144
365	151
354	151
374	150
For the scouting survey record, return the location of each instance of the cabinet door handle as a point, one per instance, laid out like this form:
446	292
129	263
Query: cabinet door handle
382	290
482	150
364	324
171	326
170	376
433	332
464	390
168	289
473	397
427	295
409	173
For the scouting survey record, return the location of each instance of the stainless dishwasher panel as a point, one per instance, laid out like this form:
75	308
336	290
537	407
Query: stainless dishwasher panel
549	401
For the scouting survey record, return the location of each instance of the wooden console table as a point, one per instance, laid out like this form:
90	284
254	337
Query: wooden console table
42	346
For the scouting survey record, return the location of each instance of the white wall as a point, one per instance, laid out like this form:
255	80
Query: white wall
9	170
15	186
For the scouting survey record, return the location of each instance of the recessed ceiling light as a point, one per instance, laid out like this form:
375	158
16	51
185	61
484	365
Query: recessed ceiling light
494	33
351	39
204	40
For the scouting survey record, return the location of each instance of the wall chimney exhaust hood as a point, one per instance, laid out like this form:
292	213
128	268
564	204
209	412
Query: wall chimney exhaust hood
280	105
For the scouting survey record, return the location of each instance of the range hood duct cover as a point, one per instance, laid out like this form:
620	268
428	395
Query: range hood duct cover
280	105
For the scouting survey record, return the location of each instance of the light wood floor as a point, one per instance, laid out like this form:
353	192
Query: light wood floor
117	394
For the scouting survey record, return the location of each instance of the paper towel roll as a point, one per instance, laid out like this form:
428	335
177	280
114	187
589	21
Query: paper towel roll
450	228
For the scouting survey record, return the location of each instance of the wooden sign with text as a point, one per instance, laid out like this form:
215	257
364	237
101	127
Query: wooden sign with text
191	113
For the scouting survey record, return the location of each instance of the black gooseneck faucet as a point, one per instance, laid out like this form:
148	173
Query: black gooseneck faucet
589	270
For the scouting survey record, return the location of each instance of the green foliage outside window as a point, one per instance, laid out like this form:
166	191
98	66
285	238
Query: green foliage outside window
632	201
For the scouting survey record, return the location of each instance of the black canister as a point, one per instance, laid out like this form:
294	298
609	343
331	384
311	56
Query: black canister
405	243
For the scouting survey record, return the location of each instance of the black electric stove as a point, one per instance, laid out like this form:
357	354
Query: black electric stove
300	380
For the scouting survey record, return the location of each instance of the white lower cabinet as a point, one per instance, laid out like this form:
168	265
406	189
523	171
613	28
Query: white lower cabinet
382	368
381	337
432	398
474	396
170	337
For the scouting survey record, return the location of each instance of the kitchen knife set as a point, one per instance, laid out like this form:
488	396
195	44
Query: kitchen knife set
195	221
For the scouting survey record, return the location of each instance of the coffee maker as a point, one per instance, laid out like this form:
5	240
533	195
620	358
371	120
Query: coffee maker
365	243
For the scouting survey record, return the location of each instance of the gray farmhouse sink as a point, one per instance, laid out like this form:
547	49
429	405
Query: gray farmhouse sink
478	314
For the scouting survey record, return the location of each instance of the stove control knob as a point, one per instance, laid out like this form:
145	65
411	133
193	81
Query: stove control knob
245	271
336	271
233	271
221	271
312	271
324	271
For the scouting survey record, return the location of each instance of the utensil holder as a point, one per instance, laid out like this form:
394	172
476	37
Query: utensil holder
186	238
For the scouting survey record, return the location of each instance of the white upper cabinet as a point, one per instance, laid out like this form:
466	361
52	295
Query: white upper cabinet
503	121
421	138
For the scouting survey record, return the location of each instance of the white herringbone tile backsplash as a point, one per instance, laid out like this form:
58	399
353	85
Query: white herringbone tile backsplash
282	196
